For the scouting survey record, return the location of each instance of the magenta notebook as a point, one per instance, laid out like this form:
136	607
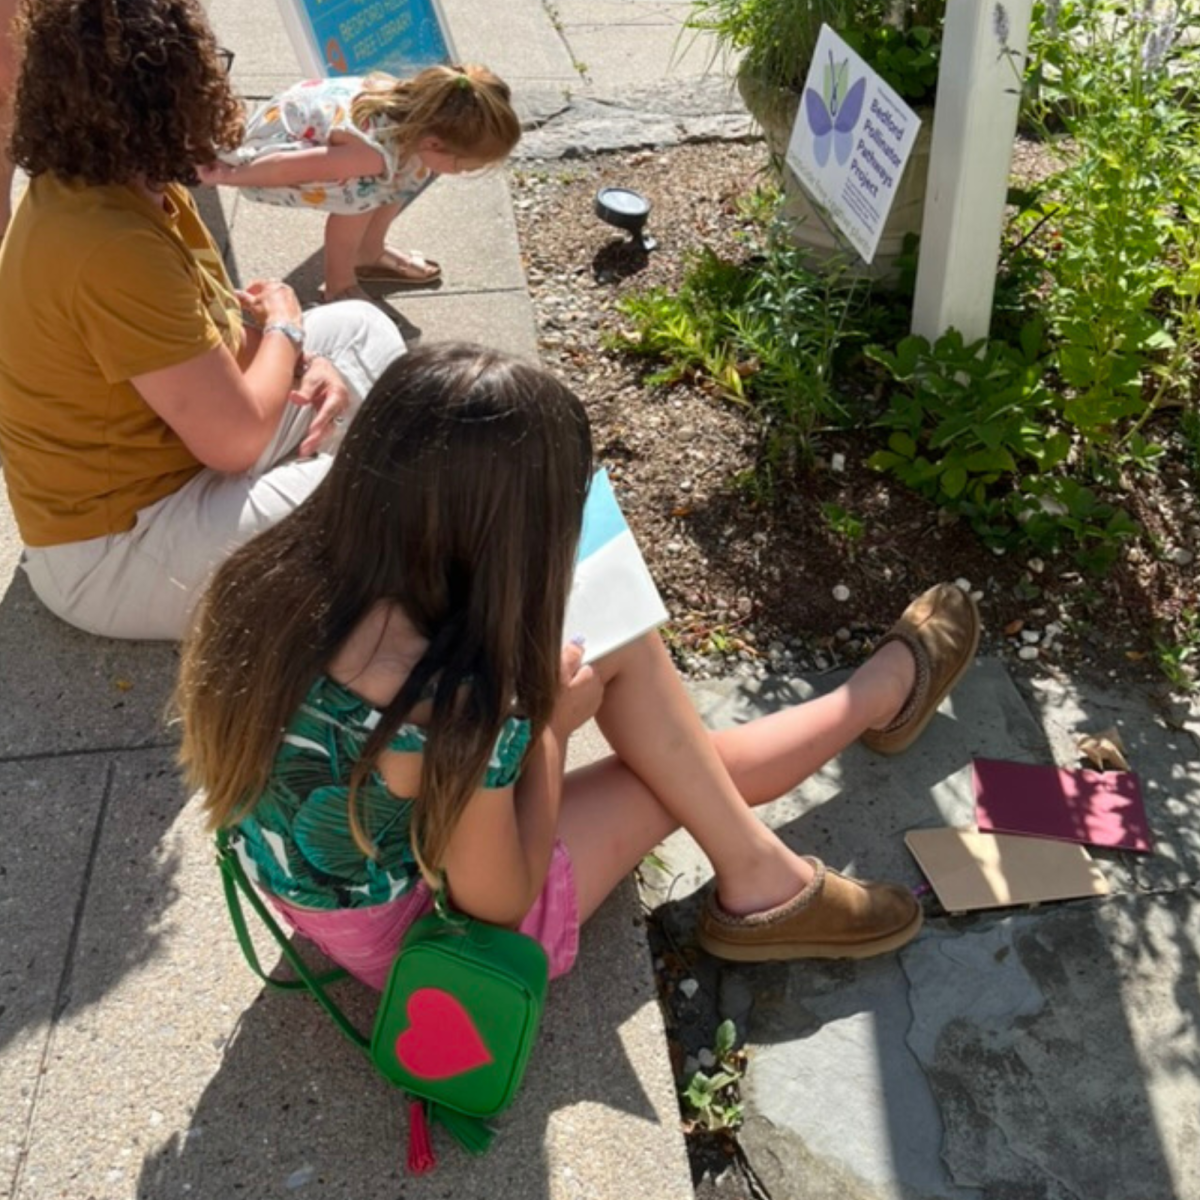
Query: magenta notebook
1097	808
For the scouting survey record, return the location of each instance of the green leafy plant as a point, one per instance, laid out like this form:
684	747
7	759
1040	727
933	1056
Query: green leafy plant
843	524
690	329
775	39
712	1098
1054	511
1178	655
1116	229
906	55
977	430
967	416
763	332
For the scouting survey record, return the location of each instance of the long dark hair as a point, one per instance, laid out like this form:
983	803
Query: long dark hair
457	495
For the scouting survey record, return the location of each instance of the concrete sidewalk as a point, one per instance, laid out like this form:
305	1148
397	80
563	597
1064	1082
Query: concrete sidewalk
1049	1054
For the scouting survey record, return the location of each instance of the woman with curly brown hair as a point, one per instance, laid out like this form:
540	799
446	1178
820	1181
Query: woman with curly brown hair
152	418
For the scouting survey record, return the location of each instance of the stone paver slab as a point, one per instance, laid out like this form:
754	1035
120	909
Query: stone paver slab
611	58
270	242
623	14
503	320
838	1105
516	39
1063	1047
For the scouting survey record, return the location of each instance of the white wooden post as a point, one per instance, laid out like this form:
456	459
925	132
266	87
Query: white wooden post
975	123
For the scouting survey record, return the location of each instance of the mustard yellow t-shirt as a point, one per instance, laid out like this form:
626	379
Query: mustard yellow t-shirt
99	285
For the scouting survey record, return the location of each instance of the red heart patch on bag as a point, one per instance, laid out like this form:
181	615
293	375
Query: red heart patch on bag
441	1040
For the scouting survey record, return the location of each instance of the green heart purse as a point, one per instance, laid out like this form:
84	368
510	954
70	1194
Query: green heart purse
456	1022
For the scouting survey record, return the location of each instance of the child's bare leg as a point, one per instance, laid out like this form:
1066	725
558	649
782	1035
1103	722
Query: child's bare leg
773	754
388	262
344	236
611	819
670	771
374	241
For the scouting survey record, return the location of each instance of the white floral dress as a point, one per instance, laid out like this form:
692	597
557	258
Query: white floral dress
306	115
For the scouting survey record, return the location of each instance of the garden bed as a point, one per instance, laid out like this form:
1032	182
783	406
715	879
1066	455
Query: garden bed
805	579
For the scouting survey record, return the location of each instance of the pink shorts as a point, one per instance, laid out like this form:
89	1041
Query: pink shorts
366	940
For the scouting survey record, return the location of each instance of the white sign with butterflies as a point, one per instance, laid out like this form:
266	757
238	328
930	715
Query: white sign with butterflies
851	139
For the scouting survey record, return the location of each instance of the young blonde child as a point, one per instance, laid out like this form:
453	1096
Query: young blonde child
362	149
376	692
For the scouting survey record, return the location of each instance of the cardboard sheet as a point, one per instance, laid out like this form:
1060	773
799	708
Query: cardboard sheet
1097	808
969	869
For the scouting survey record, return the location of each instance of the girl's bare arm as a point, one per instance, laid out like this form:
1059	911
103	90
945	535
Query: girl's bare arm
227	411
349	159
499	854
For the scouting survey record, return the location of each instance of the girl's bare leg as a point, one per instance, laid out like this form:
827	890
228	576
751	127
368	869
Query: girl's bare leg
374	241
668	771
344	236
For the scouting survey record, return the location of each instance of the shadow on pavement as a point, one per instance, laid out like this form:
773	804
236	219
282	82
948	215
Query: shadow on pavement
292	1102
82	726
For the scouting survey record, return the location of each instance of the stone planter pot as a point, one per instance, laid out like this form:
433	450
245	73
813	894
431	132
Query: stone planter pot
775	109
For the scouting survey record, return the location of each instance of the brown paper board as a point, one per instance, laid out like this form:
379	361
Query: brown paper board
969	869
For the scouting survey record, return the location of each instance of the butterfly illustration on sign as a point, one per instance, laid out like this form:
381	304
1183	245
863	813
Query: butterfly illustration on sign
833	114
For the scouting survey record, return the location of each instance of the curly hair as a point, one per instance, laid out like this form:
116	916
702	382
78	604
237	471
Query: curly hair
113	91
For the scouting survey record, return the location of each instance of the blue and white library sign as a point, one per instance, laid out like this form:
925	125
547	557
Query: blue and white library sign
354	37
851	139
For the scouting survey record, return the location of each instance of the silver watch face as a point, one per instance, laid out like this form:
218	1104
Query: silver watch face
293	333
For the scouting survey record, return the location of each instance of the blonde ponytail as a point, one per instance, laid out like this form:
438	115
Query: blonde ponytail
468	108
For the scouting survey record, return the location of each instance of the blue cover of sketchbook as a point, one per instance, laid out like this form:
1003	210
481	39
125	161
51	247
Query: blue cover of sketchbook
613	598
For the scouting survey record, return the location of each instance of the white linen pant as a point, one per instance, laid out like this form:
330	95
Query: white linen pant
145	583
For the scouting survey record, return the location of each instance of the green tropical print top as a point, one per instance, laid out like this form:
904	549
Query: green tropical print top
296	844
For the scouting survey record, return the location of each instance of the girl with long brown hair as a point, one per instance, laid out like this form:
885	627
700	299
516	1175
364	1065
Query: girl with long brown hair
376	694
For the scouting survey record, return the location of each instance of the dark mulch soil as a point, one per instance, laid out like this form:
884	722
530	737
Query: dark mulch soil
752	585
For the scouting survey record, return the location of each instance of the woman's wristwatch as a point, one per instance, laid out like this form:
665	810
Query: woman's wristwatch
292	332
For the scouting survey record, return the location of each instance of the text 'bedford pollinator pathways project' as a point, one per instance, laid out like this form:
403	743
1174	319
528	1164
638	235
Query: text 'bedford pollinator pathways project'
851	139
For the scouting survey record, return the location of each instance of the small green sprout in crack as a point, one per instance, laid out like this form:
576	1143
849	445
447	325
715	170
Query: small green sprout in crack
712	1097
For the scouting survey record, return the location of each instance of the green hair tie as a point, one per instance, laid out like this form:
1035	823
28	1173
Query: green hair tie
463	82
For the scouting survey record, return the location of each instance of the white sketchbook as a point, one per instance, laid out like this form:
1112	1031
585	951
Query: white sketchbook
613	598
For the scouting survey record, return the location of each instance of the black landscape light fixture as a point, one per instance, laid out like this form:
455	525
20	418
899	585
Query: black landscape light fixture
628	210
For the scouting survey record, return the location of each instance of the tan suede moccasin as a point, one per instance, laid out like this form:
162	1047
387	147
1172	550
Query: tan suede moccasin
834	917
941	630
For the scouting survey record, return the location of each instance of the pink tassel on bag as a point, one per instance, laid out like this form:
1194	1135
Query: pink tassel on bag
421	1159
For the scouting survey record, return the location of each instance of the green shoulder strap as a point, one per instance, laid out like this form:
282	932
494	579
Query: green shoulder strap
471	1132
235	881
